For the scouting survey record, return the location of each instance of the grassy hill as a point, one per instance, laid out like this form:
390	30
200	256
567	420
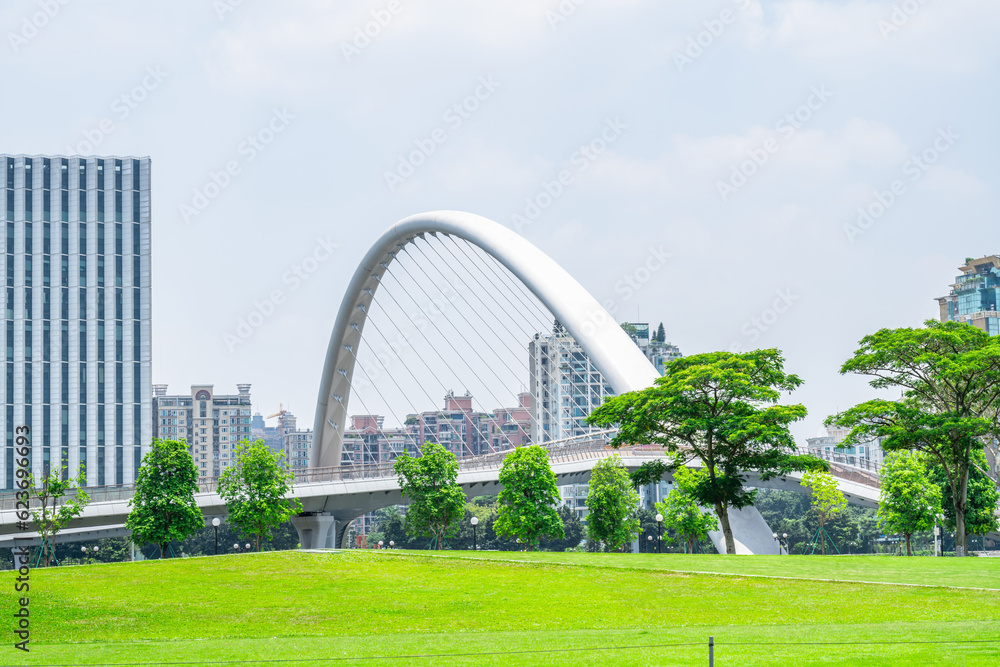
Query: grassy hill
510	609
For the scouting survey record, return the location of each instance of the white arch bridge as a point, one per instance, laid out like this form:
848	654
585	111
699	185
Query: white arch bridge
500	288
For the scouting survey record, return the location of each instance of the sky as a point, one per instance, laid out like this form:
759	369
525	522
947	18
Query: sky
834	161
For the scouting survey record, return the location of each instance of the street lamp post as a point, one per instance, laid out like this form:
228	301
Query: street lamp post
475	522
649	543
391	544
380	545
659	532
215	524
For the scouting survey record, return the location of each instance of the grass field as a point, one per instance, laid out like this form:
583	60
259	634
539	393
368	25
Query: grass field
510	609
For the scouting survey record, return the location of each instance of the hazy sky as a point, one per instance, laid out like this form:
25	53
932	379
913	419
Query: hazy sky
741	140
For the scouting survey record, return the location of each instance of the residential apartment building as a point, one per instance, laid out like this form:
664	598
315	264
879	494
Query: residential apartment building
566	386
76	259
974	295
298	447
212	425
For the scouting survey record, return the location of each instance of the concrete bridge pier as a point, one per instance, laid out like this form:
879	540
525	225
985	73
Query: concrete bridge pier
316	529
750	532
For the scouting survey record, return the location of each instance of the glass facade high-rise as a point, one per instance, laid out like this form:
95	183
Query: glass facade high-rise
77	314
975	294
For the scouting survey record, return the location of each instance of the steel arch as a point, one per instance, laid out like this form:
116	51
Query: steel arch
610	349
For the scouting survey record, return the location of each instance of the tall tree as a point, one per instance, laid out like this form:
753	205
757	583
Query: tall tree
612	504
720	409
661	334
256	488
981	499
528	501
827	499
55	509
436	499
908	500
949	375
163	507
681	512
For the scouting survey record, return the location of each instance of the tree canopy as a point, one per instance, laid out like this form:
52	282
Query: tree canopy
680	510
827	500
949	376
908	500
721	409
163	507
254	489
612	504
528	500
55	510
437	502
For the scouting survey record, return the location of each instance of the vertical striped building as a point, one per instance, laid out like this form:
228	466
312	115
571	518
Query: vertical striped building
76	256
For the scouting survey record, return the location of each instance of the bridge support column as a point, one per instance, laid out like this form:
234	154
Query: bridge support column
750	531
314	529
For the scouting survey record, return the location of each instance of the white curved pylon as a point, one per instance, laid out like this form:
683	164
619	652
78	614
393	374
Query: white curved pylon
610	349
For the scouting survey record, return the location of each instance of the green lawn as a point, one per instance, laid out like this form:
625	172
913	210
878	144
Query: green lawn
343	607
946	571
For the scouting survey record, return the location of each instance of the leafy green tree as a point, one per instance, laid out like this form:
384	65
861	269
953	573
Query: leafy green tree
949	375
528	501
163	507
681	512
981	500
55	509
436	499
908	500
255	490
720	409
611	504
661	334
827	499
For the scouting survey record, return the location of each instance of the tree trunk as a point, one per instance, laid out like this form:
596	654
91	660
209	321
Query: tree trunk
822	538
909	551
163	548
723	512
689	548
